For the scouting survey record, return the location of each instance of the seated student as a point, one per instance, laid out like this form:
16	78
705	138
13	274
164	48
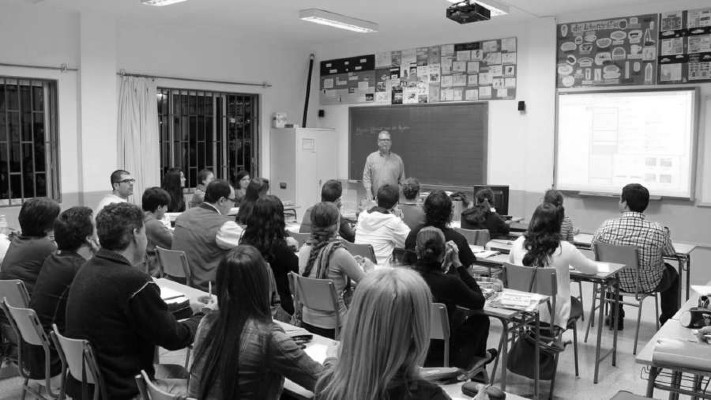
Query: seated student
75	233
27	252
205	176
541	247
653	242
483	215
384	342
469	333
155	202
412	212
381	228
567	231
324	257
240	352
330	192
173	183
257	187
438	213
242	181
118	308
266	231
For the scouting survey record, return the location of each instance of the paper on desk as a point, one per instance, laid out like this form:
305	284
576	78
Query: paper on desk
603	266
316	351
168	293
486	253
701	289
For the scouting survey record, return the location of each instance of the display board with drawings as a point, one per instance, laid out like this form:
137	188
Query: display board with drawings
611	52
483	70
685	46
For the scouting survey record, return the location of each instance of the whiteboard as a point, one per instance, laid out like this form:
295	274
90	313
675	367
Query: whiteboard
605	140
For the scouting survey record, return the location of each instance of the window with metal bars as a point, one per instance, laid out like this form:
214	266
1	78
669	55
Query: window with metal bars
213	130
29	162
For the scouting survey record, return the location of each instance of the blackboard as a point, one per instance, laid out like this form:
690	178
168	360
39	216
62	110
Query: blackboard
440	144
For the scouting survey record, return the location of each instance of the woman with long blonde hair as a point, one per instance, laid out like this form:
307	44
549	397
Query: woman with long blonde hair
384	341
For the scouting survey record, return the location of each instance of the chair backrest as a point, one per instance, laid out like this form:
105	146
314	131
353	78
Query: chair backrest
316	294
628	255
79	355
28	325
439	327
477	237
364	250
154	393
15	292
174	263
534	280
301	238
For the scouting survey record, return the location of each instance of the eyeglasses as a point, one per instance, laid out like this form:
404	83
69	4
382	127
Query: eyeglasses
127	181
232	199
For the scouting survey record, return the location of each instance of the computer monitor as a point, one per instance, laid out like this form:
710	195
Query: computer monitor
501	197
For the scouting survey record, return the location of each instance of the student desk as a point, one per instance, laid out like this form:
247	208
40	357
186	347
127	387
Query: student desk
454	390
682	256
672	329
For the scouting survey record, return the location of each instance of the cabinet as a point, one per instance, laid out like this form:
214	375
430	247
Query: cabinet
302	160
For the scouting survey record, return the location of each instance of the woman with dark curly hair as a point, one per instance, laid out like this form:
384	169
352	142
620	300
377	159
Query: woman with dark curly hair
257	187
438	213
266	231
242	181
483	216
541	247
173	182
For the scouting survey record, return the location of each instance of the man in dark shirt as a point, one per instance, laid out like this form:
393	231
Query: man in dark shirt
118	308
330	192
75	234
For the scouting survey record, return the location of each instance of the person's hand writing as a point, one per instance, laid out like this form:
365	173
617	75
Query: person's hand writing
365	263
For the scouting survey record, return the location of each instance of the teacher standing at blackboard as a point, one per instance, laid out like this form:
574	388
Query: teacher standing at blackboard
382	167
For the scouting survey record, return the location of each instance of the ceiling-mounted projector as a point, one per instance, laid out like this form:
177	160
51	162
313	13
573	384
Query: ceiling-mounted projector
466	12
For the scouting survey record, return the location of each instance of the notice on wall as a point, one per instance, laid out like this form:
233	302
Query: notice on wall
471	71
685	46
612	52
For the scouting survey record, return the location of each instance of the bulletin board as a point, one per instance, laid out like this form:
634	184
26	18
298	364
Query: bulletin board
471	71
685	47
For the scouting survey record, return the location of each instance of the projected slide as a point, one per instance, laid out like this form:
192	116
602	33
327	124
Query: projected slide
608	139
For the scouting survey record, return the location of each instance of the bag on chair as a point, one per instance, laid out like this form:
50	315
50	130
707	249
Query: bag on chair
522	355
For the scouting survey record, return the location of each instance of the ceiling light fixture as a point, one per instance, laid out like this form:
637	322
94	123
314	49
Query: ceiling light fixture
324	17
160	3
496	8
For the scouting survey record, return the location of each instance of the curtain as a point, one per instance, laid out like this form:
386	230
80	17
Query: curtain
138	134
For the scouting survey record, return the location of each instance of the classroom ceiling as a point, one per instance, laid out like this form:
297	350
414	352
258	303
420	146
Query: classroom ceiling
278	19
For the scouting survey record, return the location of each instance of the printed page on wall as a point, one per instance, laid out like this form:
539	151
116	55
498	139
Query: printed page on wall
612	52
685	46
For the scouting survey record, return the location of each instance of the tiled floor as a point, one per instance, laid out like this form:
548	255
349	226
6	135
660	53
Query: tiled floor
626	375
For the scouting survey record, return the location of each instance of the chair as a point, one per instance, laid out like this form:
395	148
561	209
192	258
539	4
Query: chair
16	294
149	390
403	257
364	250
28	327
301	238
477	237
316	294
79	357
543	281
439	327
629	256
174	264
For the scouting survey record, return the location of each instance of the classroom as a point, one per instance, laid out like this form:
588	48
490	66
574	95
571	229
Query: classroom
89	46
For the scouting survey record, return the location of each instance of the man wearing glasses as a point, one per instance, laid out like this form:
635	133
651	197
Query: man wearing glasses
382	167
122	184
205	233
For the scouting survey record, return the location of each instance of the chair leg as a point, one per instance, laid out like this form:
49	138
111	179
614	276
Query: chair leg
575	348
550	394
636	332
582	305
187	356
591	320
656	307
24	386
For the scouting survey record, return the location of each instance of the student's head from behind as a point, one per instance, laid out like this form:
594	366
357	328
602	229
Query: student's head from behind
242	179
635	197
75	228
411	188
388	196
386	335
430	246
484	196
324	221
155	200
120	228
554	197
37	216
266	221
220	194
332	191
257	187
543	234
242	294
122	183
438	209
205	176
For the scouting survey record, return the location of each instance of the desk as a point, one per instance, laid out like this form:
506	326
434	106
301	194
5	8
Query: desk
682	256
454	390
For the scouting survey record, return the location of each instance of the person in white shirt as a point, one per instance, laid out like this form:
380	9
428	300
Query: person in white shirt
122	184
540	247
381	228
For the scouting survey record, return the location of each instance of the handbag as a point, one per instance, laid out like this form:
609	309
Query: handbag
523	352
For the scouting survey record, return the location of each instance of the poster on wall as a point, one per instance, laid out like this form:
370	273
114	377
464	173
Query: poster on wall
471	71
612	52
685	46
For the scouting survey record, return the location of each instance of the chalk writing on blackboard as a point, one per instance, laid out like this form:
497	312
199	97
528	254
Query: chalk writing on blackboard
377	129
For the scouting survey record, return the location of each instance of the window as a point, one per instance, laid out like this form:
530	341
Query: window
29	164
213	130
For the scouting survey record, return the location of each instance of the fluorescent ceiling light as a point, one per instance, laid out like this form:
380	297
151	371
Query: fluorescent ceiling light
160	3
337	20
496	8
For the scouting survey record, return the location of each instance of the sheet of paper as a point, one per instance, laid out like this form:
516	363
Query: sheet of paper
701	289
